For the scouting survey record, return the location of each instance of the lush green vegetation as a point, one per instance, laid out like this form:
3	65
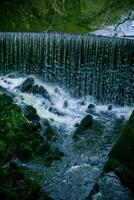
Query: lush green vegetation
60	15
20	138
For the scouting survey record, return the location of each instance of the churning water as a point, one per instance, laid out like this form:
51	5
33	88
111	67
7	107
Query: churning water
76	70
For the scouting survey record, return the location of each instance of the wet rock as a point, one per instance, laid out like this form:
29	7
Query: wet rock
85	124
49	133
40	90
13	180
8	99
56	90
65	104
110	107
43	148
2	89
121	159
87	121
31	114
27	85
45	123
36	125
91	108
56	111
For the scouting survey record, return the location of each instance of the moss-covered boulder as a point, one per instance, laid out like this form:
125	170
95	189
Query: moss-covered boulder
121	157
85	124
15	185
18	137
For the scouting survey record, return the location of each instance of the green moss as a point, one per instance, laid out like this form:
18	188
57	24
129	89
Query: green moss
67	16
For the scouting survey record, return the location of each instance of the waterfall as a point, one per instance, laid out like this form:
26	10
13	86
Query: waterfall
99	66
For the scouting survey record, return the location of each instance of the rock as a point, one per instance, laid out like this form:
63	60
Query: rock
13	180
36	126
40	90
110	107
8	99
91	108
49	133
56	90
27	85
87	121
121	157
56	111
85	124
46	123
43	148
24	152
65	104
31	114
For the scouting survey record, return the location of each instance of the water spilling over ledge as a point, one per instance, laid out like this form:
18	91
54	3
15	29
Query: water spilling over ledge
102	67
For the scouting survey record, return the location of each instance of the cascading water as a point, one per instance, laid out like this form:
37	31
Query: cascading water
90	65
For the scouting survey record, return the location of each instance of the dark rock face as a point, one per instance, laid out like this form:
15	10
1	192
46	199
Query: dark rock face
85	124
121	159
27	84
29	87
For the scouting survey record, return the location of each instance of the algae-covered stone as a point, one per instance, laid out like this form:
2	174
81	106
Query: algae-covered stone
85	124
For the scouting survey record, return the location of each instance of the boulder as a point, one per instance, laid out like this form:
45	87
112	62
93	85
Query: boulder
27	85
40	90
91	108
31	114
85	124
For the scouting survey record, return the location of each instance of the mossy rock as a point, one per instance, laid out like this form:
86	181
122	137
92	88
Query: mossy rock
49	133
85	124
14	185
24	152
31	113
